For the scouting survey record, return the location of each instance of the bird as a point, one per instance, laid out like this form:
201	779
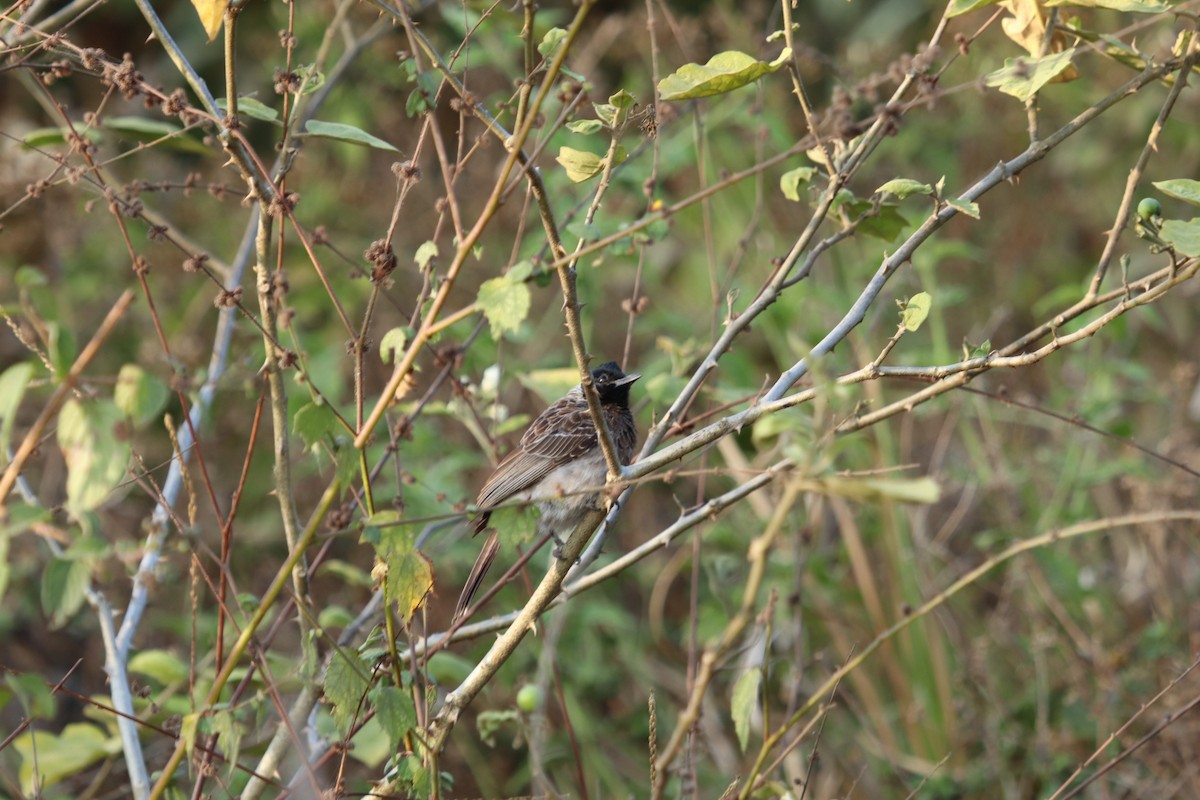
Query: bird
558	465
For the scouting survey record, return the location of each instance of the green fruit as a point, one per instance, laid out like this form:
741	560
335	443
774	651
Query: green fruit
529	698
1149	208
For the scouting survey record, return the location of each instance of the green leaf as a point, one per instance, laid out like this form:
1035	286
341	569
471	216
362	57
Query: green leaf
958	7
426	253
505	302
63	590
44	137
964	207
1183	236
96	450
723	73
744	702
162	666
424	96
886	224
1183	189
141	129
585	126
1135	6
47	758
250	107
396	713
551	41
515	523
139	395
1023	77
915	311
62	348
12	389
313	422
903	187
5	569
790	181
393	343
341	132
346	682
579	164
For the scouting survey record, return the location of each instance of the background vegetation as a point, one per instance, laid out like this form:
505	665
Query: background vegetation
915	512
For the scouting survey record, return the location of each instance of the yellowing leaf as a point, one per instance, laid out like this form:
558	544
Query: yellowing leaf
744	702
723	73
579	164
211	13
1022	77
915	311
96	451
1135	6
790	181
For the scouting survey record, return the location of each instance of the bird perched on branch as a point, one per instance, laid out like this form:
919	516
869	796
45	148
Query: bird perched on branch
558	465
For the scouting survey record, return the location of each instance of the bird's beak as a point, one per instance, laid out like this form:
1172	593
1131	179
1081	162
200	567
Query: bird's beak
628	379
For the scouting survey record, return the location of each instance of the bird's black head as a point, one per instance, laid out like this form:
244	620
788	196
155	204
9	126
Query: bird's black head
612	384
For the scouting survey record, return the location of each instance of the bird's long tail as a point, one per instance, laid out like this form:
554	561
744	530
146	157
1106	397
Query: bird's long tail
478	572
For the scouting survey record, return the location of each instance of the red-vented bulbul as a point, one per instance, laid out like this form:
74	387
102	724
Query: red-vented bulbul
558	465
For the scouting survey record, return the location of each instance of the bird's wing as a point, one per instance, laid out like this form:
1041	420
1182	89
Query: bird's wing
563	432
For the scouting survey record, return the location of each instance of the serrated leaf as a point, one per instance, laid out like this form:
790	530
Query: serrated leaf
313	422
1134	6
1023	77
1183	236
396	713
579	164
915	311
95	449
791	181
1183	189
723	73
505	303
139	394
211	13
516	523
903	187
964	207
409	575
251	107
12	389
342	132
346	683
744	702
393	343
